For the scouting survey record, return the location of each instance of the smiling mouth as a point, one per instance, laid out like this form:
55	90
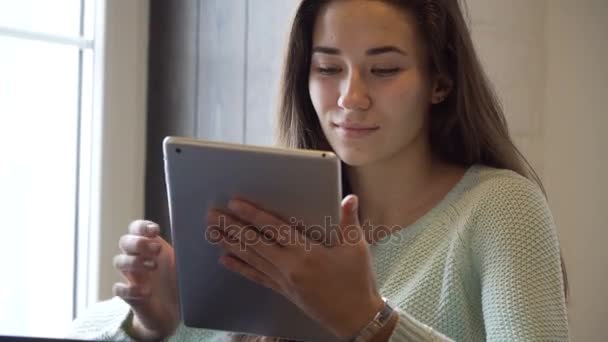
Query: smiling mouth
354	130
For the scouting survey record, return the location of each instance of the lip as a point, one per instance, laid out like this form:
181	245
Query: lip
352	130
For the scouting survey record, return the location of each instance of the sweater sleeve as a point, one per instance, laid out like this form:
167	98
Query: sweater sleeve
109	321
103	321
516	252
411	330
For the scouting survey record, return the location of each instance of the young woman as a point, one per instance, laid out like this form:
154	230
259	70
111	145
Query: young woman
395	89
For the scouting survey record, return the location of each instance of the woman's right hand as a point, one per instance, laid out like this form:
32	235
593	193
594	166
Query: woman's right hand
147	263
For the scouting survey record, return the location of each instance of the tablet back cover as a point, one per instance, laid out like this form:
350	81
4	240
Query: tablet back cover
200	175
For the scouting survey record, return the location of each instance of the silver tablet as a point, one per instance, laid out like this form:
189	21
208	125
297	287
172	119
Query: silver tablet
303	185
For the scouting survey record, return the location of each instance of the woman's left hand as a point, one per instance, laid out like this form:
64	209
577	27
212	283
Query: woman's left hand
334	285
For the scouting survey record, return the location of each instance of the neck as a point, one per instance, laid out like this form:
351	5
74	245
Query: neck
398	190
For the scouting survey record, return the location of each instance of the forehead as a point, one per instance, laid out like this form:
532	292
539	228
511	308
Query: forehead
363	23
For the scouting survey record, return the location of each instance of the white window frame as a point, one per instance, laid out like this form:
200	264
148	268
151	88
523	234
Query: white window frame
112	141
116	145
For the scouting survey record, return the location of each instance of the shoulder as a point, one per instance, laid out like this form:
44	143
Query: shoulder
501	194
510	212
493	182
515	253
489	194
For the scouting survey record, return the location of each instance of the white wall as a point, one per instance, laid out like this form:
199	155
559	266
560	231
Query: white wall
547	61
509	38
576	151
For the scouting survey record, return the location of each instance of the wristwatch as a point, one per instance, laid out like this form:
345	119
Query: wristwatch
376	324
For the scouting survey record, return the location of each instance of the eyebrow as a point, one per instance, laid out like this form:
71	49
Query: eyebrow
371	52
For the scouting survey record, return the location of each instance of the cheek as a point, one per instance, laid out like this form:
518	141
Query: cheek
323	95
410	94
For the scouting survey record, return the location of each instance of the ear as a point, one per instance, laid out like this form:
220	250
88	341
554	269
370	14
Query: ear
442	86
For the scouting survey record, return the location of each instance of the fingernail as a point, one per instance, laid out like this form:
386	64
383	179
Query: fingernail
352	202
152	228
149	263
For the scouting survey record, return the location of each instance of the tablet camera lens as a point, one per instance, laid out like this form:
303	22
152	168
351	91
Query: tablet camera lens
178	150
323	155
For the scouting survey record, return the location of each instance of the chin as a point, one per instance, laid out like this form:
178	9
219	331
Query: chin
354	159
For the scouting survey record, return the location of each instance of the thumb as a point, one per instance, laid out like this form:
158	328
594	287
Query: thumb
349	225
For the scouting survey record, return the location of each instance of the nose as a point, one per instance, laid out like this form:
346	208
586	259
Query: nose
354	94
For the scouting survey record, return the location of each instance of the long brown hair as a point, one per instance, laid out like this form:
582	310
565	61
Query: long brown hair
467	128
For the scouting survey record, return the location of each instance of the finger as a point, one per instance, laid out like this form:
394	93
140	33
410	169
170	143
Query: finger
131	293
136	270
249	256
267	223
144	228
351	230
293	235
222	225
139	245
139	299
235	229
133	263
242	268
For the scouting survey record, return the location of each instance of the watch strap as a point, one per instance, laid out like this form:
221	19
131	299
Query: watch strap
376	324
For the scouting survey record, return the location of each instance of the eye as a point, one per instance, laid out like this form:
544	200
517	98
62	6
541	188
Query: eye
383	72
328	70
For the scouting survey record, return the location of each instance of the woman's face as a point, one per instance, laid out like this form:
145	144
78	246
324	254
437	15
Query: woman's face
368	82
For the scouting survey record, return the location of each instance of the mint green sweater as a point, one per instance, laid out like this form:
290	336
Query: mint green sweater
483	265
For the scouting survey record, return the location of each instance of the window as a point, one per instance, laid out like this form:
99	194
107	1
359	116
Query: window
73	79
46	85
72	136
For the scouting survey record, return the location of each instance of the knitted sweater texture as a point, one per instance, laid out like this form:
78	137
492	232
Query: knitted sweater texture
482	265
